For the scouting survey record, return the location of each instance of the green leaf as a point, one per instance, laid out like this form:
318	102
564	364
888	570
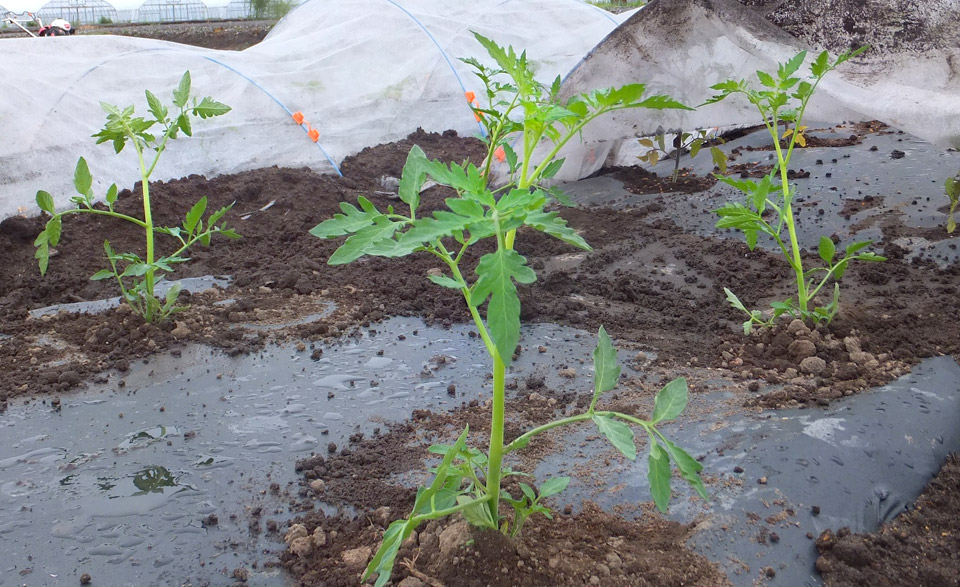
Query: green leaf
552	169
553	224
528	491
156	107
193	217
688	466
444	281
82	180
412	178
357	245
670	401
658	474
661	102
383	561
183	123
102	274
135	270
112	195
553	486
477	514
349	222
53	230
208	107
428	230
182	93
821	65
854	247
618	433
827	249
766	79
45	202
790	67
606	367
496	273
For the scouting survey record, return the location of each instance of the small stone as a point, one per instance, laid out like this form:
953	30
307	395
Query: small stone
762	480
801	349
861	358
568	373
85	579
264	289
541	349
181	330
594	580
753	386
295	531
852	344
797	328
738	469
815	510
317	485
241	574
452	390
356	557
302	547
774	537
411	582
319	537
813	365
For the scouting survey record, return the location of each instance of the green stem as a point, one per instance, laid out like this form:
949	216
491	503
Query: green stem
524	439
795	260
436	514
496	452
136	221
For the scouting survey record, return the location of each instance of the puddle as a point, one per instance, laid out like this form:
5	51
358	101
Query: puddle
156	482
862	461
193	284
121	482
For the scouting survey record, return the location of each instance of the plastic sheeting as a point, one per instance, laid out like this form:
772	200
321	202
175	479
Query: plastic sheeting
361	72
682	47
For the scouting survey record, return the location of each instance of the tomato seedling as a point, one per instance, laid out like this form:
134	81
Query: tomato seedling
468	480
783	99
121	128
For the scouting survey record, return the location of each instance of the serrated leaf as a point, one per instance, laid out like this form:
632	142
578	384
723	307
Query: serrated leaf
496	273
658	473
662	102
53	230
719	159
193	217
45	202
356	245
766	79
443	224
135	270
182	93
349	222
606	367
553	224
553	486
618	433
208	107
827	249
444	281
412	177
670	401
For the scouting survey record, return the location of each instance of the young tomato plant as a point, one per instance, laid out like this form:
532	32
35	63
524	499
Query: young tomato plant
784	99
137	277
692	142
468	480
952	189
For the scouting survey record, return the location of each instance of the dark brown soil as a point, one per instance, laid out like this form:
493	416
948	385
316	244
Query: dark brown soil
920	547
647	281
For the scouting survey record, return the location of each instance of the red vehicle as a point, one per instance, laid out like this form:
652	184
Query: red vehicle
58	27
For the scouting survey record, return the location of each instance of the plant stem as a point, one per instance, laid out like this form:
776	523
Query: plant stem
797	261
496	451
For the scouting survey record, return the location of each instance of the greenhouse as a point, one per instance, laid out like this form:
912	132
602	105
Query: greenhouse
171	11
78	12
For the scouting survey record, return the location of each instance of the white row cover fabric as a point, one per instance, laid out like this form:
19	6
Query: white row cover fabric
362	72
682	47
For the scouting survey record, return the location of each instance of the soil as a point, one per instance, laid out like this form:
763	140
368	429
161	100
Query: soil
920	547
649	282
